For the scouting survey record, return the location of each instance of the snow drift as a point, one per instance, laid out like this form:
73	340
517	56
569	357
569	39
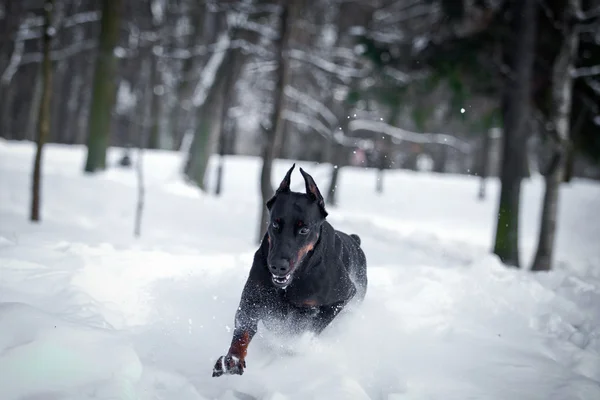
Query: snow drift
87	311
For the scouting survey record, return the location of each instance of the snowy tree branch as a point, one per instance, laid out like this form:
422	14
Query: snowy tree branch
61	54
313	105
76	19
337	136
210	70
262	30
586	71
313	123
81	18
404	135
184	54
25	33
244	7
19	47
586	16
326	65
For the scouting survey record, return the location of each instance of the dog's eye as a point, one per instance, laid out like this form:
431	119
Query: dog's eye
275	225
304	230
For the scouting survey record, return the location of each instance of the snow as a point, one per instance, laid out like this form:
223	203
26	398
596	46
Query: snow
87	311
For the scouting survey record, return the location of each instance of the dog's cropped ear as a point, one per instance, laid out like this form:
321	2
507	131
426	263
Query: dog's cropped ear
313	191
284	186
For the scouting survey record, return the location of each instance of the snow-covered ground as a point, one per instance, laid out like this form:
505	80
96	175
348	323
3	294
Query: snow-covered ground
89	312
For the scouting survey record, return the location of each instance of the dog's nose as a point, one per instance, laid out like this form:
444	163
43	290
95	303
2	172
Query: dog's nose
280	267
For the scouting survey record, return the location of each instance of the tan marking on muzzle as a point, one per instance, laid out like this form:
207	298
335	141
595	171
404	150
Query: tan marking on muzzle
304	251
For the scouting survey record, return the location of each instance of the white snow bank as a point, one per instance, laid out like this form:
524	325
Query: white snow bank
147	318
41	355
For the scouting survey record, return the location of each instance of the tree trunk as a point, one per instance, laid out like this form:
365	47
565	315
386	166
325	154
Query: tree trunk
156	93
226	124
484	166
72	105
143	125
441	159
59	102
385	155
202	21
7	112
338	154
44	116
34	109
104	87
208	116
519	55
200	149
562	92
574	133
271	133
84	104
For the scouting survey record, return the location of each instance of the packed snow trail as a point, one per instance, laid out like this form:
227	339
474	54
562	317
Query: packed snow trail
87	311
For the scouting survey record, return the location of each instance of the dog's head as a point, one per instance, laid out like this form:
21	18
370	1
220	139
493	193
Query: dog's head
294	227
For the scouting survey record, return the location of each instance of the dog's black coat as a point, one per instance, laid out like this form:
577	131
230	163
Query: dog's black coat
328	266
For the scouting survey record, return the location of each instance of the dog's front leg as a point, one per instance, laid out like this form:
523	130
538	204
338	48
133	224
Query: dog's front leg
246	324
234	361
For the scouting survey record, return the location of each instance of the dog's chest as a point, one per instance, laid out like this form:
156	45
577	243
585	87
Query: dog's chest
301	300
287	316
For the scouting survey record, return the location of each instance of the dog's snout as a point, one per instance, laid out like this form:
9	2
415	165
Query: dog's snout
280	267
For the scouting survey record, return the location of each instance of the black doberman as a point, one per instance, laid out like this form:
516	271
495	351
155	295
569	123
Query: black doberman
304	272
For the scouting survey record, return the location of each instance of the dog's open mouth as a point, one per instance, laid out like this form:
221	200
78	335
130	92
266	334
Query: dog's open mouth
282	281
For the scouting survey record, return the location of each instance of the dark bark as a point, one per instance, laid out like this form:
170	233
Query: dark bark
202	27
519	57
574	134
233	72
83	107
271	134
8	26
104	87
156	99
44	116
569	165
59	102
7	112
34	109
441	159
75	96
562	91
349	15
544	254
209	114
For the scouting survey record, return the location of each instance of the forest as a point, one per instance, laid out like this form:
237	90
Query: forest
486	88
140	141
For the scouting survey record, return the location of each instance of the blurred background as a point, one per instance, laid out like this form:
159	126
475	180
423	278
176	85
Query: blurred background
492	88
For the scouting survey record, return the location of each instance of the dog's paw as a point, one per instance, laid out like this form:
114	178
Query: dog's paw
229	364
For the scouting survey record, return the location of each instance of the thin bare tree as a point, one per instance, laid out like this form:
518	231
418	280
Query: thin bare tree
44	113
519	52
104	87
562	94
272	133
